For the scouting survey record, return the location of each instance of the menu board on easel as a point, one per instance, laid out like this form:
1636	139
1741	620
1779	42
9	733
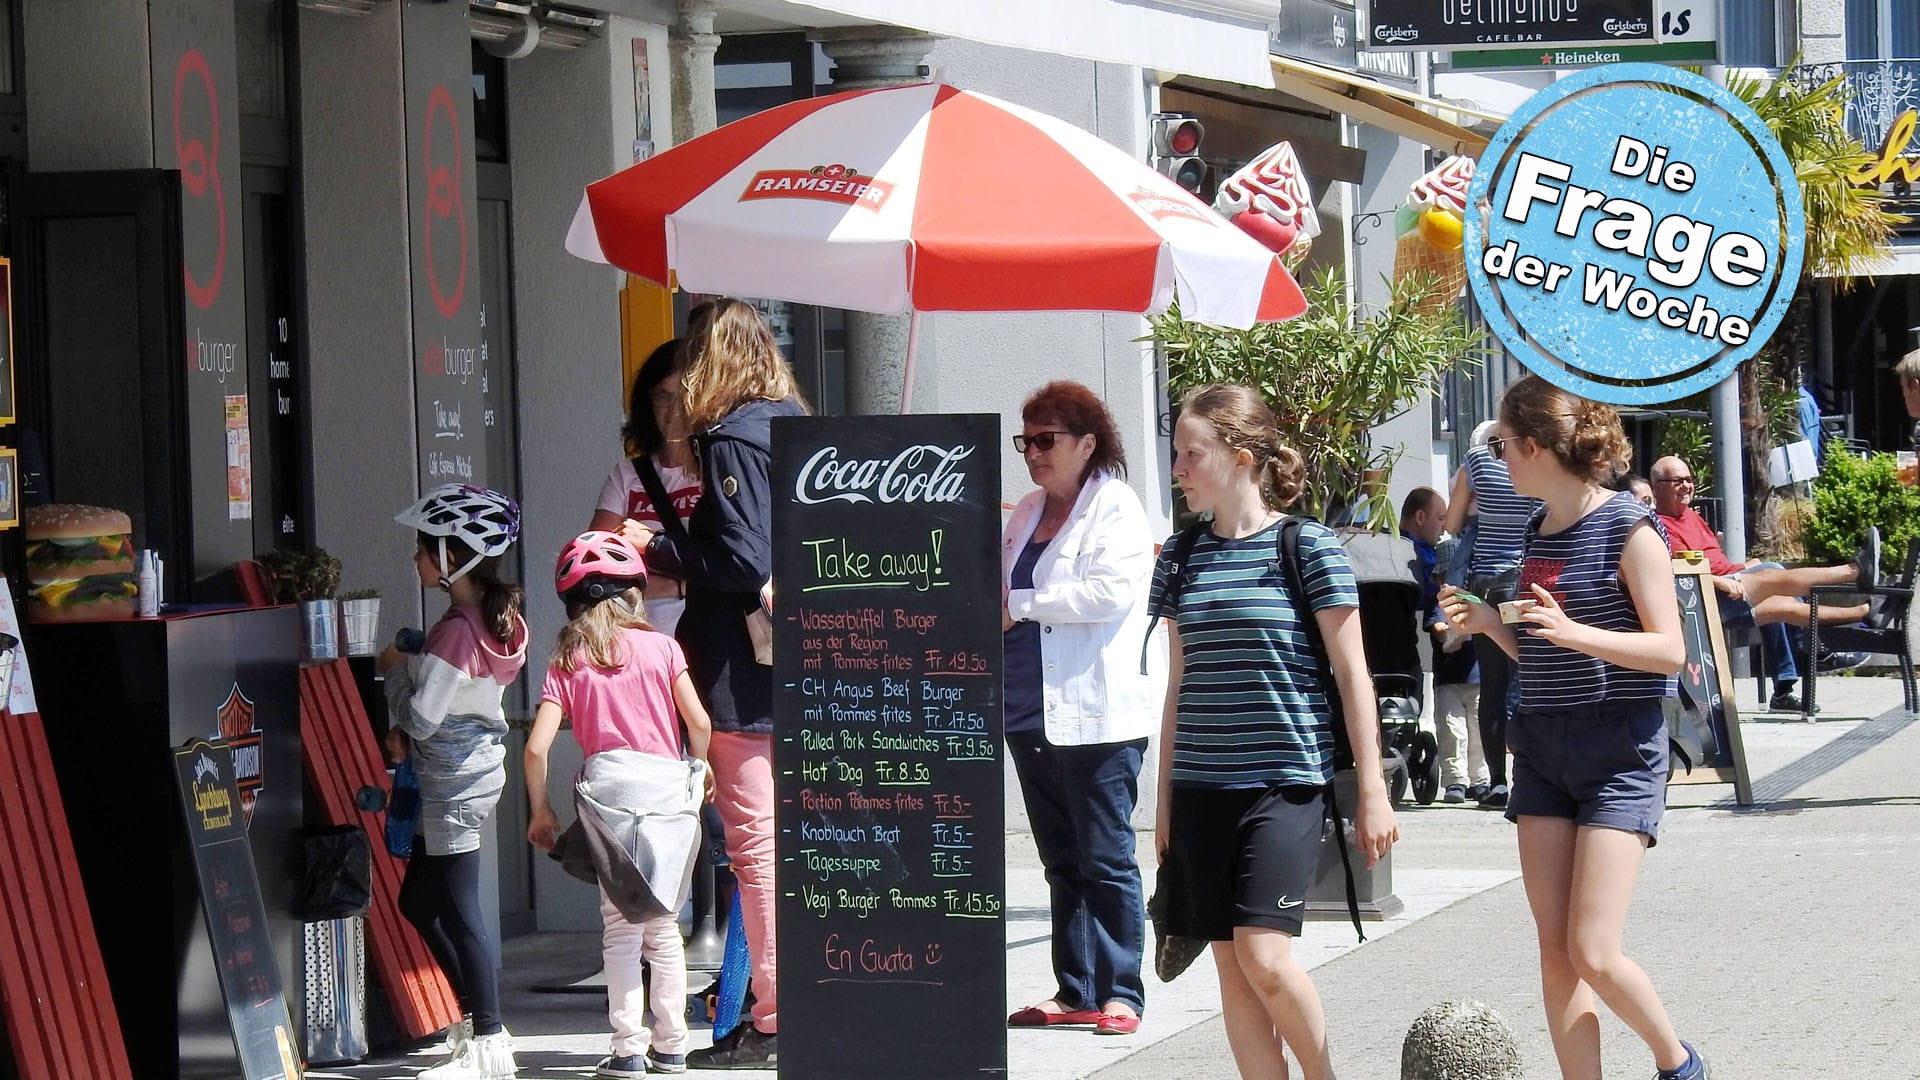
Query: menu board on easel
1707	709
887	735
236	919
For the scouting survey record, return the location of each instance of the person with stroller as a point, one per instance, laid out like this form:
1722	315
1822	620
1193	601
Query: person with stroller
1597	640
1076	561
1247	741
1456	680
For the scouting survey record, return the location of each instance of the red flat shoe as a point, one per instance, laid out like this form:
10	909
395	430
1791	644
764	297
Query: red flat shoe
1034	1016
1116	1024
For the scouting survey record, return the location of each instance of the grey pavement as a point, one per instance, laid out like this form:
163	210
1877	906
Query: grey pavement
1782	936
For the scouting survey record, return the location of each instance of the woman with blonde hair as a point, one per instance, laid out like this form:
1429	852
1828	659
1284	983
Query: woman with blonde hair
1261	609
735	382
1595	649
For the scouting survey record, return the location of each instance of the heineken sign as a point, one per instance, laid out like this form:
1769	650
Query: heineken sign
1416	25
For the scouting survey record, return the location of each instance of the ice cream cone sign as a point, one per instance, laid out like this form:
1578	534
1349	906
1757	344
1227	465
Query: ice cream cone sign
1268	198
1431	228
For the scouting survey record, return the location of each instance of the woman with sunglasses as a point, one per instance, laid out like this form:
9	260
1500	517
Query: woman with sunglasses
1597	647
1482	488
1076	560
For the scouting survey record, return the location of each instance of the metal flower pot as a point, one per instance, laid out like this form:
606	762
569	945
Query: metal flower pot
320	620
360	626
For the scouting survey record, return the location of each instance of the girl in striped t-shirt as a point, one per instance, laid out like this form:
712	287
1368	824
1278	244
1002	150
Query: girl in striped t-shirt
1246	741
1597	652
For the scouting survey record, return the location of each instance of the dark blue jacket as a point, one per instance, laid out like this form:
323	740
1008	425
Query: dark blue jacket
725	556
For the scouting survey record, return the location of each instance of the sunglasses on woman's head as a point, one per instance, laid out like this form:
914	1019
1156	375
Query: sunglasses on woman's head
1041	440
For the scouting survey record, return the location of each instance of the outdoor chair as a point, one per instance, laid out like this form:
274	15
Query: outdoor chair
1886	634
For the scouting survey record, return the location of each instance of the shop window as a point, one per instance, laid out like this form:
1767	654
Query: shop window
1750	33
489	106
260	48
1883	29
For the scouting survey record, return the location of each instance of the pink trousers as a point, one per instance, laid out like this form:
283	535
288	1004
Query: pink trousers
743	793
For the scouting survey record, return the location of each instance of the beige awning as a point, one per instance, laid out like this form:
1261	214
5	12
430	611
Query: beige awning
1415	116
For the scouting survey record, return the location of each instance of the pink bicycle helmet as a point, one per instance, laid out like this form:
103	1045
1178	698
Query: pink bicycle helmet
596	565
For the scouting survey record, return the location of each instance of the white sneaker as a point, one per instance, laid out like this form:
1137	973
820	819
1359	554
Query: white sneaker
493	1056
459	1034
464	1065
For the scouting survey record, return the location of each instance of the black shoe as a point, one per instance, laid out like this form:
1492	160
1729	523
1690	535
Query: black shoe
1495	798
1869	560
745	1047
622	1067
1842	661
1784	701
1477	792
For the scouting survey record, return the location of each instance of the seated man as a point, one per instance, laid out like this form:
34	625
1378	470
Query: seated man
1762	594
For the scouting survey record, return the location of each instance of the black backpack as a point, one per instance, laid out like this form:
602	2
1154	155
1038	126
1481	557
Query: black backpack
1287	548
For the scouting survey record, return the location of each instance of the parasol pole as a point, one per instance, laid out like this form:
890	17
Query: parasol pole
906	374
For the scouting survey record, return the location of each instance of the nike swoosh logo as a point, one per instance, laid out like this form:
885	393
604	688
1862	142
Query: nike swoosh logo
1288	901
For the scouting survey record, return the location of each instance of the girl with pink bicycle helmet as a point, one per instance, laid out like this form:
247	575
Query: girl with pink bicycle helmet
626	690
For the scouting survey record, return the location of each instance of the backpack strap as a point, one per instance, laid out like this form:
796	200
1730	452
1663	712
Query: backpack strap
1287	542
657	493
1174	558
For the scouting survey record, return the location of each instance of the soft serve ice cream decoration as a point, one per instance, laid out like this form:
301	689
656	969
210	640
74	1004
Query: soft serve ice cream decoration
1268	198
1431	227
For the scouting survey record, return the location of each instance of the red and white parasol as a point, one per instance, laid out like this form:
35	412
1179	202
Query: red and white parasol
927	198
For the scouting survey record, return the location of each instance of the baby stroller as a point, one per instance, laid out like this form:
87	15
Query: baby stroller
1388	573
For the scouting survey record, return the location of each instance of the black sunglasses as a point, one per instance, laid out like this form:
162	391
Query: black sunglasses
1042	441
1497	446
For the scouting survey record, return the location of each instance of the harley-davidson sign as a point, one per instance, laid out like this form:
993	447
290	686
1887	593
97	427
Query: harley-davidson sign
1419	25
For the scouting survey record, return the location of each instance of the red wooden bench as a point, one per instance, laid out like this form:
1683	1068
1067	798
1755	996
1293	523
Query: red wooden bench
53	986
340	756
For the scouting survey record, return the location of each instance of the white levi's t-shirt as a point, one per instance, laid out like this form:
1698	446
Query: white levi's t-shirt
624	494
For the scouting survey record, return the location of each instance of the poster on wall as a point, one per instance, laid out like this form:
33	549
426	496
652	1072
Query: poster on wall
450	350
239	460
642	102
196	130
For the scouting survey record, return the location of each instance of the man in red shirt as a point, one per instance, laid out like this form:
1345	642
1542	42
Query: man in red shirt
1763	594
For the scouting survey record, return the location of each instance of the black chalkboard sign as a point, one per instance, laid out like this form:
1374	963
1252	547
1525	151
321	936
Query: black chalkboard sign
887	727
236	919
1708	719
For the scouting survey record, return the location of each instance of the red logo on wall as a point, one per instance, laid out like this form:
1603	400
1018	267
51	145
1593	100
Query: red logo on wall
200	170
237	726
444	198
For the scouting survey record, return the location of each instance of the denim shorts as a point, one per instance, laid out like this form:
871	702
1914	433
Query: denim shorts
1602	764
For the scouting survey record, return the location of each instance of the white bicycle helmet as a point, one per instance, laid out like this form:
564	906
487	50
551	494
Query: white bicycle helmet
487	522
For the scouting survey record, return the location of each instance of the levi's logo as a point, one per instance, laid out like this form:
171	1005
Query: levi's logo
1158	205
828	183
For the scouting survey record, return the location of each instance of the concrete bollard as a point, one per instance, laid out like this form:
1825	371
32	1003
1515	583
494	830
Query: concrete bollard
1460	1040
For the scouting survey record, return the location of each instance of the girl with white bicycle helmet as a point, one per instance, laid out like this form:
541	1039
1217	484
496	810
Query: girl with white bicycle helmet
626	689
444	707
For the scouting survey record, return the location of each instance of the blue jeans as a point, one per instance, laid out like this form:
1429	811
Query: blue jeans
1773	636
1080	801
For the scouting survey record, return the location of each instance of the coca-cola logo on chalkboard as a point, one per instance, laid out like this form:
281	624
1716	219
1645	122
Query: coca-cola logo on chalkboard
199	159
444	198
922	473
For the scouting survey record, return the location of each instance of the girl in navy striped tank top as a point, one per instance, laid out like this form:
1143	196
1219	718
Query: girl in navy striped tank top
1597	650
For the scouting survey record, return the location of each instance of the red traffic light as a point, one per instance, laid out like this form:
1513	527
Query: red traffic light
1176	135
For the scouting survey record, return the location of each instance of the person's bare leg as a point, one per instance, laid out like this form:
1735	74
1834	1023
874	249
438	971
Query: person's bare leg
1250	1032
1794	612
1546	870
1283	986
1796	582
1605	864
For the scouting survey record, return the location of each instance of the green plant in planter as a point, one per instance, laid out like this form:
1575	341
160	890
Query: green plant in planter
360	594
1851	494
1331	376
301	575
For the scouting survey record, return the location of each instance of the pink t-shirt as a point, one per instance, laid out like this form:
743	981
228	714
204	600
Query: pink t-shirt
630	708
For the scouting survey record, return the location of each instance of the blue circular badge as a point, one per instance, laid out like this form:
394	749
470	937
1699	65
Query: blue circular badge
1633	233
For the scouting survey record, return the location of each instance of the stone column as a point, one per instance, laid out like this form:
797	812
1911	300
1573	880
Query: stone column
865	58
692	44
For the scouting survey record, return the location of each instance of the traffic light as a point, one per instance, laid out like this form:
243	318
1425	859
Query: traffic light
1176	149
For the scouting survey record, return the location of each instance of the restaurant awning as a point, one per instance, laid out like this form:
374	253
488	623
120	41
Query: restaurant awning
1438	124
1215	39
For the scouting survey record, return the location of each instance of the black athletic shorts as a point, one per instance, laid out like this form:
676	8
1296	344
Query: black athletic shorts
1241	857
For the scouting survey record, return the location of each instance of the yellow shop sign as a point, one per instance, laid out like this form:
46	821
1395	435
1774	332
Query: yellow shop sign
1890	166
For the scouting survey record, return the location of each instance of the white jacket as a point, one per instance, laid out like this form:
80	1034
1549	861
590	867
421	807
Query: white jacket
1089	596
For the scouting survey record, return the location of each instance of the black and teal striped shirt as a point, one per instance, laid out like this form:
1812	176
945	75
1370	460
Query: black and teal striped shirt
1252	712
